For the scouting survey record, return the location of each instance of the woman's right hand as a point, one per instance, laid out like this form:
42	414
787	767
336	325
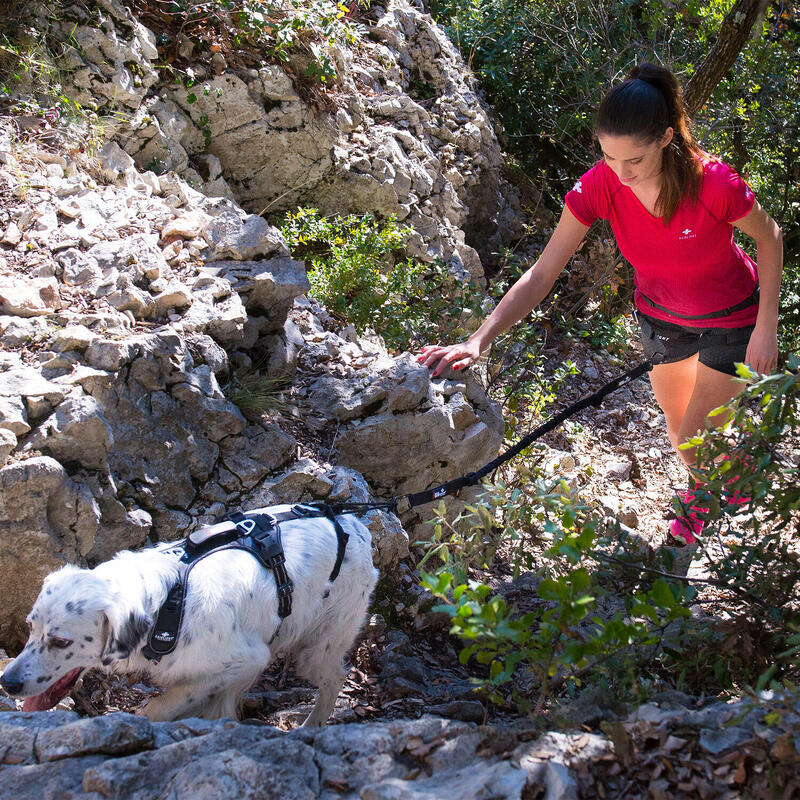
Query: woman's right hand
456	356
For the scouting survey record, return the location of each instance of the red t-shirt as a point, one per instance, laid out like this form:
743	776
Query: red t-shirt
692	265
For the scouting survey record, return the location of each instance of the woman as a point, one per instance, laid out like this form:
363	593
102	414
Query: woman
702	303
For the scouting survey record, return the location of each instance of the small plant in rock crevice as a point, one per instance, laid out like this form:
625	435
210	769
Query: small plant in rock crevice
256	394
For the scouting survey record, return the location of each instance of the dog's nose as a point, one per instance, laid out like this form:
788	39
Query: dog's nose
11	686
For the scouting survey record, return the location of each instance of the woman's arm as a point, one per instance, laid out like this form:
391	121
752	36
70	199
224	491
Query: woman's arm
762	350
520	299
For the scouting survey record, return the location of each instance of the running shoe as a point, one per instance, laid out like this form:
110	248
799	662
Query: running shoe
685	528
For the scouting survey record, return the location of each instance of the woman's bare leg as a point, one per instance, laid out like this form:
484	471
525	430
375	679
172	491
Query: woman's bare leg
688	392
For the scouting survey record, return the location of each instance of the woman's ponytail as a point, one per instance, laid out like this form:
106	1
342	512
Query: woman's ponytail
643	106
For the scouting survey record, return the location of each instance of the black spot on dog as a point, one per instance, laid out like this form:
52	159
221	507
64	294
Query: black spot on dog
251	595
325	594
89	638
130	634
307	556
327	648
49	591
106	661
69	607
42	678
68	656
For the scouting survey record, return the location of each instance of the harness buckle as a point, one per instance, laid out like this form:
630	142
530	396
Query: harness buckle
285	589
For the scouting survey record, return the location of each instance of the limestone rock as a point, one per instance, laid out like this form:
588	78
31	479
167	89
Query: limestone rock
8	441
268	287
47	519
405	435
111	736
116	165
111	56
30	297
261	450
76	433
304	481
13	416
230	236
73	337
39	394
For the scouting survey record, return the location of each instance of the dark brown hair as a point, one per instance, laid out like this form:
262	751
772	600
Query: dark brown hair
643	106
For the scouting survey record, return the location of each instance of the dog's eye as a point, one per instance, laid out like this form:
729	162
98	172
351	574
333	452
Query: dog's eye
57	641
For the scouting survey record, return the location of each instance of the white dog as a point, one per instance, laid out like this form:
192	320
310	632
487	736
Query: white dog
229	633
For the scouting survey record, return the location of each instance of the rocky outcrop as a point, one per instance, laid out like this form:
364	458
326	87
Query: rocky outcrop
407	136
127	309
124	756
403	432
749	746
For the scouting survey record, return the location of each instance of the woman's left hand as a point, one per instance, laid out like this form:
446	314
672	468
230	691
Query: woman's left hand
762	350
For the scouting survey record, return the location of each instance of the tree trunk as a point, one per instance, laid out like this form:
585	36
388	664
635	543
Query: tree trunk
731	39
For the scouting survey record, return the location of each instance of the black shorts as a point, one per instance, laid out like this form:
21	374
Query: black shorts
719	348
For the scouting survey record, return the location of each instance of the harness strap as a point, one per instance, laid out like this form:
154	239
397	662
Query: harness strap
265	544
751	300
342	538
164	634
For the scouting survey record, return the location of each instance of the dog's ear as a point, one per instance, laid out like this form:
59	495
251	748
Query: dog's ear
123	635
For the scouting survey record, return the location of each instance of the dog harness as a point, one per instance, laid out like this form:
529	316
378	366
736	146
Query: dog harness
258	533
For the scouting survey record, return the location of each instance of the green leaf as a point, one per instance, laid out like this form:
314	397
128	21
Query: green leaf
662	594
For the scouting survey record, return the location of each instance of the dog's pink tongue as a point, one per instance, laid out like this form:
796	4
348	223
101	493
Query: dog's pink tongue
51	696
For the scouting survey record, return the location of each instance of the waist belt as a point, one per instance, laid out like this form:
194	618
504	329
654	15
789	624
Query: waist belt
258	533
751	300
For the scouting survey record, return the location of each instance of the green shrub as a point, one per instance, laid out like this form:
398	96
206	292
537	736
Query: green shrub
563	639
359	271
753	586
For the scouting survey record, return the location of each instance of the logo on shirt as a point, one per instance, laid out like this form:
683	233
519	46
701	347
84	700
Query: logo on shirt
578	188
687	233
